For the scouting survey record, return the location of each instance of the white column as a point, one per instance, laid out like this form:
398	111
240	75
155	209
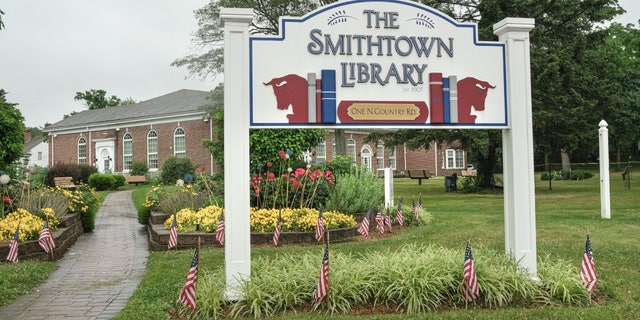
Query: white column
237	250
388	187
517	145
605	194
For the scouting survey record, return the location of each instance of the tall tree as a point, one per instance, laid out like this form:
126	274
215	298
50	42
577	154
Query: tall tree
12	128
97	99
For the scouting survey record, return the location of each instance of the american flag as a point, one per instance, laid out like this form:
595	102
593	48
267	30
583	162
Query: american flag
420	202
173	233
387	219
320	228
379	221
188	292
322	290
13	247
364	226
276	234
469	280
45	240
220	230
399	217
588	271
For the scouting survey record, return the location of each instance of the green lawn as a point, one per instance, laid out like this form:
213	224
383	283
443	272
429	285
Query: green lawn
564	215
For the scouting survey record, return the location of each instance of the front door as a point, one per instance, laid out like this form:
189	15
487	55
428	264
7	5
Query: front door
105	155
365	157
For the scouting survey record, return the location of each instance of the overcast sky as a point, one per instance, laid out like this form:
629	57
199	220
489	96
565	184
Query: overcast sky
49	50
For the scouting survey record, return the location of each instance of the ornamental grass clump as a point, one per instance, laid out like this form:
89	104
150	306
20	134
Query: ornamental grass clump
414	279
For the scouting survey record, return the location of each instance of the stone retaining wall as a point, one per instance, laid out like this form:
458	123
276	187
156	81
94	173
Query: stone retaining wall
69	229
159	236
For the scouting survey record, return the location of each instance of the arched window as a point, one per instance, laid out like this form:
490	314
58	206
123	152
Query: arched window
179	143
127	151
392	158
321	152
351	149
152	149
82	151
380	155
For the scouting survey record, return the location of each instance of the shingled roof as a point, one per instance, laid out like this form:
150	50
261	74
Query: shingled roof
179	103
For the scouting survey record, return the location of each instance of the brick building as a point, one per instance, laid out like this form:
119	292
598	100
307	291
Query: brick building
439	160
149	131
174	125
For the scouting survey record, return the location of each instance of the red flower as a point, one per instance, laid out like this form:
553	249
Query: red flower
282	154
7	200
296	184
269	164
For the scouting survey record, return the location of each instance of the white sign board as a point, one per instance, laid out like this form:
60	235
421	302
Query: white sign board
377	63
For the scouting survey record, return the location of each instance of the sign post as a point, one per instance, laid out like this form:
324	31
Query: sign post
517	146
237	249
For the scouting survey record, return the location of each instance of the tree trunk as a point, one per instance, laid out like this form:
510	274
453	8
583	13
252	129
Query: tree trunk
566	161
487	163
341	150
618	156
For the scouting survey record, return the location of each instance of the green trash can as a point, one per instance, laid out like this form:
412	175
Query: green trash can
451	183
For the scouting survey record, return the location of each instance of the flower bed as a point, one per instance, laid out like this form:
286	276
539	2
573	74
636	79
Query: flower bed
159	235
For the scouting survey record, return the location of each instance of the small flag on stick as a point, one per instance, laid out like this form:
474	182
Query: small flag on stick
364	225
469	280
322	290
320	227
387	219
13	246
220	230
173	233
588	271
188	292
399	217
420	202
276	233
379	221
45	240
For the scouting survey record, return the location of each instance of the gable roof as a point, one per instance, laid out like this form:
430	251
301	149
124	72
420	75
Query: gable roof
180	103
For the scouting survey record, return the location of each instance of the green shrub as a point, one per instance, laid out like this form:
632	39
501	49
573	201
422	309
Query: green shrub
175	168
119	181
356	191
578	174
341	165
79	172
139	168
102	182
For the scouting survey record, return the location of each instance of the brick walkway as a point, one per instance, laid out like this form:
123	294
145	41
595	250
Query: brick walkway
97	275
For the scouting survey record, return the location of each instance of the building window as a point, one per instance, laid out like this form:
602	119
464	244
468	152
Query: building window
455	159
179	143
392	158
82	151
127	151
152	150
321	152
351	149
380	155
39	155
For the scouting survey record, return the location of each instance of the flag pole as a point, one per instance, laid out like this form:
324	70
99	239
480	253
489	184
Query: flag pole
328	275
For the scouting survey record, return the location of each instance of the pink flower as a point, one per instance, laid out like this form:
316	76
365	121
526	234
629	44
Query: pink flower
282	154
7	200
269	164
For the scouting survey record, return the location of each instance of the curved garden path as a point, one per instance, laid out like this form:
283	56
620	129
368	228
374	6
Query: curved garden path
98	274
